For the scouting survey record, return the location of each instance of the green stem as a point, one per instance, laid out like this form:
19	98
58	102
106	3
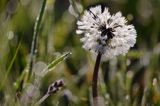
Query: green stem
35	39
10	66
72	2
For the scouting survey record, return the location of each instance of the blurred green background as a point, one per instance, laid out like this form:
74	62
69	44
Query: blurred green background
128	80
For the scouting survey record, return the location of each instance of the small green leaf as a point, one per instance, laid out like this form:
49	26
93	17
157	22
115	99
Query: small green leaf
55	62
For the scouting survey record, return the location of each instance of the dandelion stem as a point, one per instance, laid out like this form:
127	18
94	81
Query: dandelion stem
35	38
95	79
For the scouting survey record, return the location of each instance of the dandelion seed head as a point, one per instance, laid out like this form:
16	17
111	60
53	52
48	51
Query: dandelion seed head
104	33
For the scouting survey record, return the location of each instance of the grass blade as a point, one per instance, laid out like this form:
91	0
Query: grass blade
35	38
55	62
10	66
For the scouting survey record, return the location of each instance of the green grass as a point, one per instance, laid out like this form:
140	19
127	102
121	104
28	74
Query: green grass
131	80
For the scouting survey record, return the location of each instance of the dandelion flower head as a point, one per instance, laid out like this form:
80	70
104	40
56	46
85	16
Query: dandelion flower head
104	33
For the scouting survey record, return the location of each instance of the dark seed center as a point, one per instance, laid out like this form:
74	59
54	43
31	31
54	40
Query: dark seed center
108	32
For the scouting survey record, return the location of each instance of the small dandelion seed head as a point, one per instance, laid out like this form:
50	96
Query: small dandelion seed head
105	33
54	87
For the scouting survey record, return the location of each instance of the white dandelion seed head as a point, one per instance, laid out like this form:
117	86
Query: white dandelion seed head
104	33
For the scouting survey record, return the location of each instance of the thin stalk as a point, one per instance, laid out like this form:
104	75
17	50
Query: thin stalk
42	99
95	79
72	2
35	39
10	66
52	89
